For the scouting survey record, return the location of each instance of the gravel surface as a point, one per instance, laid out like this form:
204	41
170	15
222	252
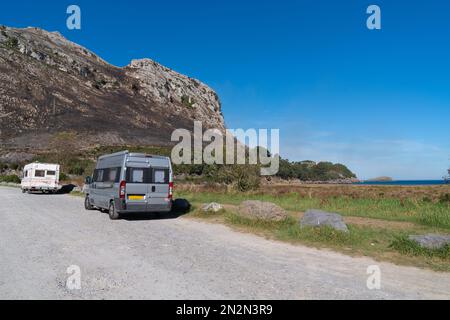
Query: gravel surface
150	258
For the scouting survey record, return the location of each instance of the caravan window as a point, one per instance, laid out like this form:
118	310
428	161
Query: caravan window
160	176
26	173
135	175
138	175
39	173
51	173
98	175
112	175
107	175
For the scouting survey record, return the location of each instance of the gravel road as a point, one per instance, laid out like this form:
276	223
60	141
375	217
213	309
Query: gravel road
42	235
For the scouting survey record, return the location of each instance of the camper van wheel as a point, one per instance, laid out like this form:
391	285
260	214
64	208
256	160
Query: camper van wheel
113	214
24	190
87	204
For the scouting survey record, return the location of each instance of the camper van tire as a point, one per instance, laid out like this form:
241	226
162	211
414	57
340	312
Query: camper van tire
113	214
87	204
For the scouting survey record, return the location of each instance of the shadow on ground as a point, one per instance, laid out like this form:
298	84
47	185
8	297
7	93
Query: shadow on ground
66	189
180	207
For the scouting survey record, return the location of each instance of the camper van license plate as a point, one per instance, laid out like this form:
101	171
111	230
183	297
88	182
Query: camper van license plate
135	197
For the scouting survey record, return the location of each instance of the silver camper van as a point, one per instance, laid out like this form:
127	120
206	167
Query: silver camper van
127	182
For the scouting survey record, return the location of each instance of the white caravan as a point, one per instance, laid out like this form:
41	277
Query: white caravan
42	177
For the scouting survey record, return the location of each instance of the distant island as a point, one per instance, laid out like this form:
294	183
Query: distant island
381	179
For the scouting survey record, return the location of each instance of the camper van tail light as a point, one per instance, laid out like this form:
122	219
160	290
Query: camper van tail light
170	190
122	189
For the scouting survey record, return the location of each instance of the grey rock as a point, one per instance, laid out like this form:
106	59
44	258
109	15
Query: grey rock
431	241
212	207
262	210
317	218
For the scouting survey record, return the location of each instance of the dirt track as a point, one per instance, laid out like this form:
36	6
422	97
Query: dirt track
41	236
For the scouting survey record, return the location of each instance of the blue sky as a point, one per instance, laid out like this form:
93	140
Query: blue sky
377	101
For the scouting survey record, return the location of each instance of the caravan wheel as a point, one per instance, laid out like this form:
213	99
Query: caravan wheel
87	204
113	214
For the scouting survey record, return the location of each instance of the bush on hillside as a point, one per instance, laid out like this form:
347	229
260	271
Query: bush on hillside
10	179
63	177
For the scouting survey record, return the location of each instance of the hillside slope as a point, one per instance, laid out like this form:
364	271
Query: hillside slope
50	85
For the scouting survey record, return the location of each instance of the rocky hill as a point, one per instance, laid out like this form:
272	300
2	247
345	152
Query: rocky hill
50	85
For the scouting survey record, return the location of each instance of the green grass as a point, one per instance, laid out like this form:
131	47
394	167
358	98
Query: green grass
406	246
422	212
291	231
379	243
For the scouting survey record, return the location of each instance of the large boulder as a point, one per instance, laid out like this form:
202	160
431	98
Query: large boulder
431	241
212	207
317	218
262	210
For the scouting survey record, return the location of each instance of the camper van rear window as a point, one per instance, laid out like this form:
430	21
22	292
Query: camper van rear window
112	175
147	175
137	176
39	173
160	176
51	173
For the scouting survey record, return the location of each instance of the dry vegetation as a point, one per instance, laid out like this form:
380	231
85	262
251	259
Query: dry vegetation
380	218
422	193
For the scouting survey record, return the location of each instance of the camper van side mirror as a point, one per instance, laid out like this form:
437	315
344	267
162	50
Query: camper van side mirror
88	180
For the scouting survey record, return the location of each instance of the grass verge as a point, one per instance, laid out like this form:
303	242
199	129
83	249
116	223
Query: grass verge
380	243
416	211
406	246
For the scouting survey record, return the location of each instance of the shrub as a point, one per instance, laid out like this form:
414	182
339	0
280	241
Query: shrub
63	176
426	200
242	177
77	169
246	178
10	179
99	84
186	101
12	43
445	198
14	166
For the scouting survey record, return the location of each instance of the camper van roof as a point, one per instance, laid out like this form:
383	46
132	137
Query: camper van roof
126	152
42	164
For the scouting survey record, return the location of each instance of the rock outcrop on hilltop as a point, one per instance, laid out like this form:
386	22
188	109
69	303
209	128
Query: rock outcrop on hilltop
50	85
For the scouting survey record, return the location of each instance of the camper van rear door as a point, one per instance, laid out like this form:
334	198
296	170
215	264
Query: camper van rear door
159	187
